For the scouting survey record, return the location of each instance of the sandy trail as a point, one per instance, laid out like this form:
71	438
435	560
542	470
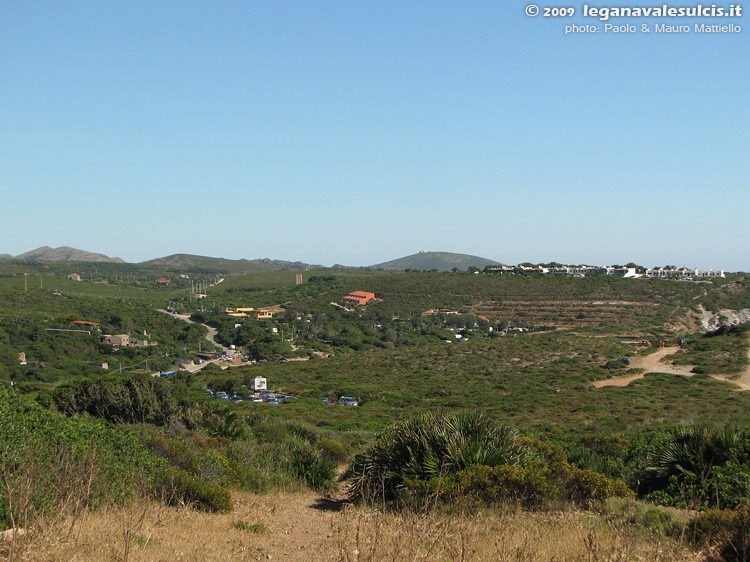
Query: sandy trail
300	527
743	381
654	363
651	363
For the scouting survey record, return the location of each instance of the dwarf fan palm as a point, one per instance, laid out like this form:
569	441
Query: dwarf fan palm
430	446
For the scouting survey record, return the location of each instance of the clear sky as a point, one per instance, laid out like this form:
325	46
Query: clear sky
356	132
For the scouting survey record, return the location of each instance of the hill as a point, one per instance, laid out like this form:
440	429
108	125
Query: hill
66	253
441	261
206	263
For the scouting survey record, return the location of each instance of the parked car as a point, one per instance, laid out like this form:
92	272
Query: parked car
348	401
271	400
325	400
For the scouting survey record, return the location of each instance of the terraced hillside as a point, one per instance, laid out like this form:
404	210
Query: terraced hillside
571	314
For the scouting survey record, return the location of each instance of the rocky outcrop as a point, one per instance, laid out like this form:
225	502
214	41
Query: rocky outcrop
712	321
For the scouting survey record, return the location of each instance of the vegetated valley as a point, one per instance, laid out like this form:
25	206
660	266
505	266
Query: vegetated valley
498	417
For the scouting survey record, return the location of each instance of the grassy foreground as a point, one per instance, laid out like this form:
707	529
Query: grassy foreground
301	527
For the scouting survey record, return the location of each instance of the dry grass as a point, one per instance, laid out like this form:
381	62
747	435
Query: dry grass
282	526
298	527
545	537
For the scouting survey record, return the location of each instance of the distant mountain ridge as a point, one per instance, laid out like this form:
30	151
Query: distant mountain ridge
422	261
224	264
65	253
441	261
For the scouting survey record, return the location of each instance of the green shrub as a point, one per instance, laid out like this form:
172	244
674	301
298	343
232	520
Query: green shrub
574	483
584	485
176	486
503	484
257	528
310	466
334	451
698	467
430	446
728	531
51	463
248	464
629	511
657	520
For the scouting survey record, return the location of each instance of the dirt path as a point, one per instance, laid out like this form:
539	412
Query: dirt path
743	381
625	380
651	363
299	527
654	363
210	336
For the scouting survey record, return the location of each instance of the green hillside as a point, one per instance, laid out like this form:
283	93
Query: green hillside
440	261
65	253
204	263
520	353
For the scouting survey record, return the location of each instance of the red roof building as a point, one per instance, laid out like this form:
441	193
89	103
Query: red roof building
359	297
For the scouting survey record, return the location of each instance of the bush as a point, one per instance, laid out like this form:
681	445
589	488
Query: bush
138	399
698	467
585	485
257	528
430	446
728	531
501	484
310	466
211	368
50	465
176	486
247	460
334	451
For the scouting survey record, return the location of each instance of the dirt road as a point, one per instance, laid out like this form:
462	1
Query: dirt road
654	363
651	363
210	336
743	382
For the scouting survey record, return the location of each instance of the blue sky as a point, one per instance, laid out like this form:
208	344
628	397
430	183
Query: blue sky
359	132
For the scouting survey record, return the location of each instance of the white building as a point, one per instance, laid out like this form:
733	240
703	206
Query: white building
259	383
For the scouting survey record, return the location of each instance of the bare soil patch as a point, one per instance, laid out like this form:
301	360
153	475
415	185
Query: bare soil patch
655	363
